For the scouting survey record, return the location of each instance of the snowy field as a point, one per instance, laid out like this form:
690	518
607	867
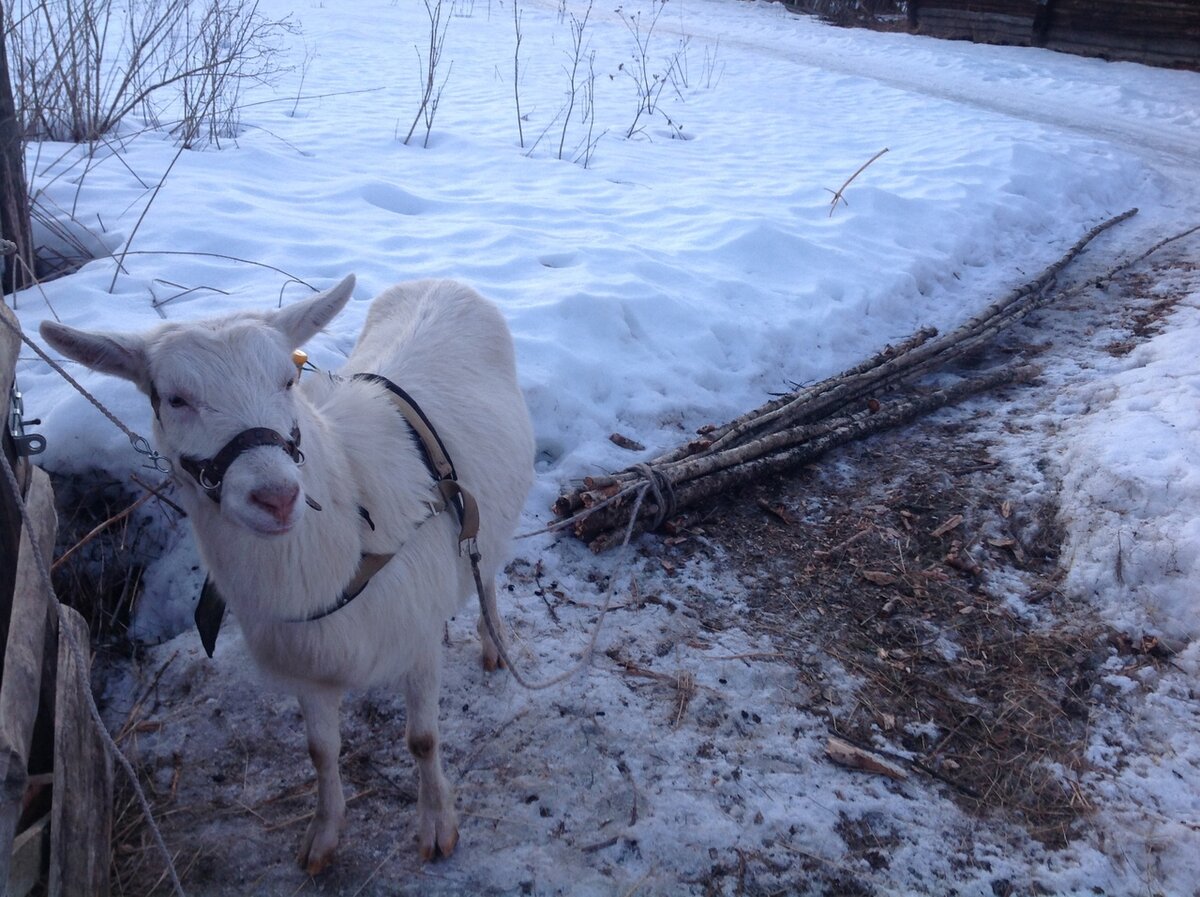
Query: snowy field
685	272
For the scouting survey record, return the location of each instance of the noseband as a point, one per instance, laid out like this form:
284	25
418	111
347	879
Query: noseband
210	472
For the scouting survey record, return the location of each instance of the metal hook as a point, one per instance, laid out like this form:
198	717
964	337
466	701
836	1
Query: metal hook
142	446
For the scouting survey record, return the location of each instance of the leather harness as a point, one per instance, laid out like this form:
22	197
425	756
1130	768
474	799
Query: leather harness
209	473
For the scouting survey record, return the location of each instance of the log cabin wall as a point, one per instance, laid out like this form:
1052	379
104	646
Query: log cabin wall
1157	32
982	21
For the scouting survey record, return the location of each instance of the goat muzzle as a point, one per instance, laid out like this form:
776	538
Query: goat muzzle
210	472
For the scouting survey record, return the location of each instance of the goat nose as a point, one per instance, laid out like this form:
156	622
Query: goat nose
278	501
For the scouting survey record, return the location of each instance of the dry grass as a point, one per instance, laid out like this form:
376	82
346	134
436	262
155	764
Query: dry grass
1148	320
101	578
887	585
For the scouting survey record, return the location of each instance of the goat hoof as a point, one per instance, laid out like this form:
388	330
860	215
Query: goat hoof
492	662
313	864
315	867
439	837
318	847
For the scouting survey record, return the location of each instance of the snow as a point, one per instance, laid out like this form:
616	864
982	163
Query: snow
672	283
1133	468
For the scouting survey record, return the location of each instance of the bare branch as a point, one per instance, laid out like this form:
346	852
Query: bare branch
837	196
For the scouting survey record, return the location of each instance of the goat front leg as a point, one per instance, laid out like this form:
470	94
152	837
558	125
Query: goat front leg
492	658
321	711
437	821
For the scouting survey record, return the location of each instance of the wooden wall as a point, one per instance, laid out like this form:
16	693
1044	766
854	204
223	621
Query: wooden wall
982	21
1158	32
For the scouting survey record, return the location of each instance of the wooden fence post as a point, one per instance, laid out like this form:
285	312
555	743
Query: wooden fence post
45	717
10	517
23	657
80	817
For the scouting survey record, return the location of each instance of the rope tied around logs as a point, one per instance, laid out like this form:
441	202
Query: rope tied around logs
663	491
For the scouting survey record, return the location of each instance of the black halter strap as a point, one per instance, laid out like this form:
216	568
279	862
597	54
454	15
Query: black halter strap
210	472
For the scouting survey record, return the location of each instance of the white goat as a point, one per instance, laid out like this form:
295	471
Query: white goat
283	539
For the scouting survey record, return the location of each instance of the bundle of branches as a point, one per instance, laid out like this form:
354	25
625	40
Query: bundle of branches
793	429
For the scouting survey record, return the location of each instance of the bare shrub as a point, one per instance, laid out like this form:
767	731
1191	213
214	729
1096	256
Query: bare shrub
578	53
710	75
517	71
648	78
234	45
588	147
81	67
431	89
680	74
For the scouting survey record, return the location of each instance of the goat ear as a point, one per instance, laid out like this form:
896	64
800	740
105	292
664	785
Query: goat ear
302	321
119	354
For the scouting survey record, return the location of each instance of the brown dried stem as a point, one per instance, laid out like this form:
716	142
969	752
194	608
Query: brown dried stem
837	196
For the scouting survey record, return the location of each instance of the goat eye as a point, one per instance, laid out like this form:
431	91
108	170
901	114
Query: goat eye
290	383
177	402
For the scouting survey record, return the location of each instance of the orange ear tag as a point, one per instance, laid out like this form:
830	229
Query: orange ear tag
299	359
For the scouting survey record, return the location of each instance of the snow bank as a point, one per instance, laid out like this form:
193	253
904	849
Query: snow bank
1131	488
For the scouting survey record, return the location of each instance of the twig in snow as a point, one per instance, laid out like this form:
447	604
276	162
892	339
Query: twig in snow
431	95
838	197
142	217
517	72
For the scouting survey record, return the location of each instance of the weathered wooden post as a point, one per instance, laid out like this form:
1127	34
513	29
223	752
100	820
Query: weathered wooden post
45	715
29	621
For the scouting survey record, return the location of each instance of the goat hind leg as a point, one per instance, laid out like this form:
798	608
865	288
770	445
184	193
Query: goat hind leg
321	711
492	659
437	821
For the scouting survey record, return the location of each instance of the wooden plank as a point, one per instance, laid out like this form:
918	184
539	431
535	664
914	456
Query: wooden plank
28	858
23	655
976	9
9	344
81	813
1186	57
1123	17
982	29
995	22
10	518
979	27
